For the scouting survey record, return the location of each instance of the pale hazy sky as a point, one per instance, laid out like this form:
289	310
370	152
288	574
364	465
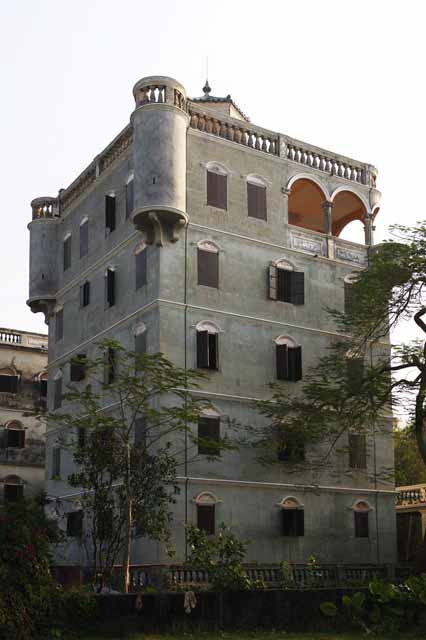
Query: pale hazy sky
347	76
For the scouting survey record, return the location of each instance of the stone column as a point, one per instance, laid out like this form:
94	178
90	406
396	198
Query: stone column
327	208
284	206
368	230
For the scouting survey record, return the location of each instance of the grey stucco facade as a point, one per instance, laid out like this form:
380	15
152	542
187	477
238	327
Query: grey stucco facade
166	151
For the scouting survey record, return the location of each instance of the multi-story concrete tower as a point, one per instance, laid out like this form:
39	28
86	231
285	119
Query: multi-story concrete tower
215	241
23	392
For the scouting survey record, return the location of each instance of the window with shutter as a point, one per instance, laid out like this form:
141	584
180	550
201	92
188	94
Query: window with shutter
141	269
84	239
290	286
213	351
8	384
129	198
57	393
67	253
208	268
75	524
354	371
13	492
203	349
140	342
217	190
15	438
209	436
294	364
357	451
56	461
59	325
361	524
256	201
110	366
282	361
43	388
85	294
293	522
288	360
78	368
206	518
110	287
291	450
284	285
110	213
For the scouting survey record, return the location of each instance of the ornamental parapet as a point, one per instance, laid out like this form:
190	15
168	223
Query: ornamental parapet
44	207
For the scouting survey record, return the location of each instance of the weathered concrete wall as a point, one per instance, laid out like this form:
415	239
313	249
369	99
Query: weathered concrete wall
172	303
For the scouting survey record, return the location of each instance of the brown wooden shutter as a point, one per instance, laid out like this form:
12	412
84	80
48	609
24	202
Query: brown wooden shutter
216	190
206	518
361	524
272	282
208	268
202	349
129	198
209	434
298	288
357	451
213	351
294	364
84	239
110	213
256	201
284	285
141	276
110	287
282	361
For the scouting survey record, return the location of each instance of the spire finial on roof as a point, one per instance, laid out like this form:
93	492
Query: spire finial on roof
206	88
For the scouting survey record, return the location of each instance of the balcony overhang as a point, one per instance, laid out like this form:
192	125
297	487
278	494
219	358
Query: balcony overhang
159	223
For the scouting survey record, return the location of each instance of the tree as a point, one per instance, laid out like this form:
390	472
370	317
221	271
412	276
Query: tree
409	467
353	386
129	427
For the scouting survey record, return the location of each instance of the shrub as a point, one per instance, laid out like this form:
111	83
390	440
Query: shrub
221	556
32	605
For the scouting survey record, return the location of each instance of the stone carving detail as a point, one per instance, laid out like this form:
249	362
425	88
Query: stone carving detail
348	253
304	241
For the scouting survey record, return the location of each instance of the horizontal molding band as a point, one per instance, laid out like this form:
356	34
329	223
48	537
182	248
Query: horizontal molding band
268	485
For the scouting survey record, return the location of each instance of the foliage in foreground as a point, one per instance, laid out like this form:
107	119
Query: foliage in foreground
384	607
32	605
221	556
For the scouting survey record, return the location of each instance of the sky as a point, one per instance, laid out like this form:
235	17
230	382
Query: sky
346	76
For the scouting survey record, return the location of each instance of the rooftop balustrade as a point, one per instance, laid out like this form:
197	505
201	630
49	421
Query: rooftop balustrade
44	207
410	496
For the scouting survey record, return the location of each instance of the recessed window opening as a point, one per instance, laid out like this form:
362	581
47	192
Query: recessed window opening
15	435
206	512
110	287
207	346
288	359
217	187
67	252
129	196
141	266
293	518
209	434
78	368
256	198
84	237
140	339
110	206
286	284
13	489
85	294
361	519
208	264
9	381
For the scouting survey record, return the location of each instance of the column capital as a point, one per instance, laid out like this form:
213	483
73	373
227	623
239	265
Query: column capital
327	204
285	192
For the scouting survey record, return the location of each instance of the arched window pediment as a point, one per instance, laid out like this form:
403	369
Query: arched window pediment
258	180
208	245
290	502
206	499
361	506
140	328
207	325
288	340
217	167
283	263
